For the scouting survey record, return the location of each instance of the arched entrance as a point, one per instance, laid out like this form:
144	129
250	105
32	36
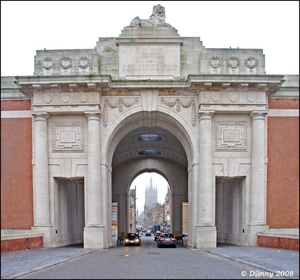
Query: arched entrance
150	149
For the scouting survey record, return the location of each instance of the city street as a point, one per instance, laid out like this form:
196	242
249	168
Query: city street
149	262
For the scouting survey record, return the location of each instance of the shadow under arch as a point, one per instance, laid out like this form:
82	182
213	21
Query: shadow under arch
141	119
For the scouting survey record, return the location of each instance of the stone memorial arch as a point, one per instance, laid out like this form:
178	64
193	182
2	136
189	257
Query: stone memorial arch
149	101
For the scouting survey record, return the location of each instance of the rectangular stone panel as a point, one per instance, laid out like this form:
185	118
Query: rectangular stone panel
159	61
68	137
231	136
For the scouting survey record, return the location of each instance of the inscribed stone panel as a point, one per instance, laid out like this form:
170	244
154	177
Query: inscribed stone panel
68	137
144	61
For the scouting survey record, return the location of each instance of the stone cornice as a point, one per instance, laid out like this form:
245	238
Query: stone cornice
149	40
197	83
267	83
31	84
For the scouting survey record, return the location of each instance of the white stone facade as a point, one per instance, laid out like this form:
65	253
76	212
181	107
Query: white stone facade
210	106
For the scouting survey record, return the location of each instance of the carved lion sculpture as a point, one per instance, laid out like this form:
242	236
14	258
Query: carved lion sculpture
157	19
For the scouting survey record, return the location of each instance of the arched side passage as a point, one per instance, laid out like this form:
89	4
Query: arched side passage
175	173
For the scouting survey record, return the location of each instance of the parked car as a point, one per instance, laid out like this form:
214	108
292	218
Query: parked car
156	235
166	239
132	238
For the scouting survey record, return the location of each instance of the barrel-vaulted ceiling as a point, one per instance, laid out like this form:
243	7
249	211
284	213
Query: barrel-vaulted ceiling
149	142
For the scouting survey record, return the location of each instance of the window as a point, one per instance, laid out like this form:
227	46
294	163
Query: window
149	153
149	137
114	215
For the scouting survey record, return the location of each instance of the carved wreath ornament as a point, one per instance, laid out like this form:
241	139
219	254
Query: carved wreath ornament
251	62
65	62
215	62
84	62
47	64
233	62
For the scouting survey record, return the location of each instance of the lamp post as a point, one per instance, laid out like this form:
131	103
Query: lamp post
135	218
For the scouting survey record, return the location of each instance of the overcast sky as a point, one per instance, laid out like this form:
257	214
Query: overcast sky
27	26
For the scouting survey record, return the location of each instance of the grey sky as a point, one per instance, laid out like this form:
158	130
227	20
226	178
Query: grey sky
27	26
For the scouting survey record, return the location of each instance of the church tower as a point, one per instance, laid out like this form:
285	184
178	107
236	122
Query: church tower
150	195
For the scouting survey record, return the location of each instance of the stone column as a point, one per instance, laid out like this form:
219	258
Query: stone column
205	211
258	180
93	231
192	203
41	175
41	188
206	230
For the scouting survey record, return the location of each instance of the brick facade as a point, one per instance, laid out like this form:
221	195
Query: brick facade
16	169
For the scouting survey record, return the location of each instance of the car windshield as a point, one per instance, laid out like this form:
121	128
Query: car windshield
131	235
167	235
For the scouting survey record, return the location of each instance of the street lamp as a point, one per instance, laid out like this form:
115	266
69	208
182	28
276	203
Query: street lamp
135	198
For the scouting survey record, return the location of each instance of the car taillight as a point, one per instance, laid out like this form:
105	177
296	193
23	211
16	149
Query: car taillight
174	239
161	239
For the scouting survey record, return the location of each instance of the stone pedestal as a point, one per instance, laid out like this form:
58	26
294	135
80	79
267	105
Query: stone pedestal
93	237
252	233
206	237
47	232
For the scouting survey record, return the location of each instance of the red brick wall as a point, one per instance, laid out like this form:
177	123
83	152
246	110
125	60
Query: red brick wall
283	104
21	244
283	168
278	242
16	169
15	105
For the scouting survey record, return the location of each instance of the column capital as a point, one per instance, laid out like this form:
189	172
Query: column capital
93	114
258	114
204	114
40	115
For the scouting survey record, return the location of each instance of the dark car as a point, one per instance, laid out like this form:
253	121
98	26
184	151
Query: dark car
166	240
156	235
132	238
148	233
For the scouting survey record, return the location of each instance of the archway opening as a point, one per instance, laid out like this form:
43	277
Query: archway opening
150	203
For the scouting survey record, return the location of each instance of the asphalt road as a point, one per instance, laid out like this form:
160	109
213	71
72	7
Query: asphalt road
149	262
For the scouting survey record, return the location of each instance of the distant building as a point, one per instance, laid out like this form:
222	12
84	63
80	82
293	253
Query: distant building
151	195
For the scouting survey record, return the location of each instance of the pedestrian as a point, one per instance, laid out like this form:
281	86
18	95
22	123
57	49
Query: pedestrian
122	237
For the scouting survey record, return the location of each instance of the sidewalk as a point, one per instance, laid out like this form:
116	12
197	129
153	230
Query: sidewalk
270	259
14	264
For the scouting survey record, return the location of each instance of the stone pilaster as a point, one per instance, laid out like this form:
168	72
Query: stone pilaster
41	174
258	180
93	231
206	230
41	189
